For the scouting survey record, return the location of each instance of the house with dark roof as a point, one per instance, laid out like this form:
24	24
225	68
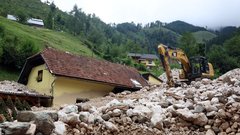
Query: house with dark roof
68	77
146	59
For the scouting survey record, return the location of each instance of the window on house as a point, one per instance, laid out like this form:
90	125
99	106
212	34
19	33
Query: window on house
40	75
150	62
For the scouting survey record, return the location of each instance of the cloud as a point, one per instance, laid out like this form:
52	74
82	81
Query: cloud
199	12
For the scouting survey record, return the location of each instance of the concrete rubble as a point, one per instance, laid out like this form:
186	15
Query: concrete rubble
206	107
14	87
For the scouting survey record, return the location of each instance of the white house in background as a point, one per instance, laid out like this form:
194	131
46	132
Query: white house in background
31	21
12	17
35	22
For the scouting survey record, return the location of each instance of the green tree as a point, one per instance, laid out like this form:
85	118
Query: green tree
22	17
188	44
232	47
221	60
19	104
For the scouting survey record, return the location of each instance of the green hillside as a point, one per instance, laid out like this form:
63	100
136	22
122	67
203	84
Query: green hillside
41	38
45	37
203	36
183	27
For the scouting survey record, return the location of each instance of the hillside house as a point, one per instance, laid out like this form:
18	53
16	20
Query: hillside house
67	77
12	17
35	22
146	59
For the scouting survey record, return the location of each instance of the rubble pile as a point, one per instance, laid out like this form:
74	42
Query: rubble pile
175	74
14	87
203	107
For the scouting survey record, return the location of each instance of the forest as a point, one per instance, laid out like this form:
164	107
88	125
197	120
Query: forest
112	42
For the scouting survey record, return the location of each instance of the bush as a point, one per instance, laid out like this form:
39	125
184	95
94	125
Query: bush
19	105
11	106
15	52
140	67
221	60
3	110
26	106
22	17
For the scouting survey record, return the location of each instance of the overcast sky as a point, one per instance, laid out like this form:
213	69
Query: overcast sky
211	13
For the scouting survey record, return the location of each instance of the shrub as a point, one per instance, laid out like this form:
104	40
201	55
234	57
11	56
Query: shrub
19	105
11	106
3	110
26	106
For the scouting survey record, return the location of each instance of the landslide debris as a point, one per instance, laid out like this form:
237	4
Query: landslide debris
203	107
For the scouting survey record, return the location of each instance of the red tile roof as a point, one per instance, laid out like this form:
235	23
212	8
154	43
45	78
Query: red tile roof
82	67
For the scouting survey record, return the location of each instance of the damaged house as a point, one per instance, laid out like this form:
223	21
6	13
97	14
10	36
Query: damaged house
67	77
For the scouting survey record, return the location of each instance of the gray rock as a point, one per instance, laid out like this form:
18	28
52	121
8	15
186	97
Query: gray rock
179	106
185	114
53	114
210	132
224	126
116	113
106	117
69	109
15	128
164	104
73	119
42	120
206	81
221	113
85	107
31	130
44	123
83	116
200	119
27	116
211	114
198	108
60	128
214	100
110	126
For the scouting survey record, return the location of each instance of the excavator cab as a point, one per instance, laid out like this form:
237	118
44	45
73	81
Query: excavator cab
199	65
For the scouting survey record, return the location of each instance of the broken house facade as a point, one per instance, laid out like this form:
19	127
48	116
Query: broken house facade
152	79
67	77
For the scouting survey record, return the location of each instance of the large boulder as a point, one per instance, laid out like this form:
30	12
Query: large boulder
14	128
110	126
43	121
70	109
157	117
200	119
26	116
196	118
72	119
60	128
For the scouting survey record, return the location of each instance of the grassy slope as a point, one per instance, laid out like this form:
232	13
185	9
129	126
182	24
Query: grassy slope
202	36
41	38
44	37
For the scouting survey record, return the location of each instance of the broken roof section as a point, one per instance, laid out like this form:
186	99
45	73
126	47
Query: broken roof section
81	67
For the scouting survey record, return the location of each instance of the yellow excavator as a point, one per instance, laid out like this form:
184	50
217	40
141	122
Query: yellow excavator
193	68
